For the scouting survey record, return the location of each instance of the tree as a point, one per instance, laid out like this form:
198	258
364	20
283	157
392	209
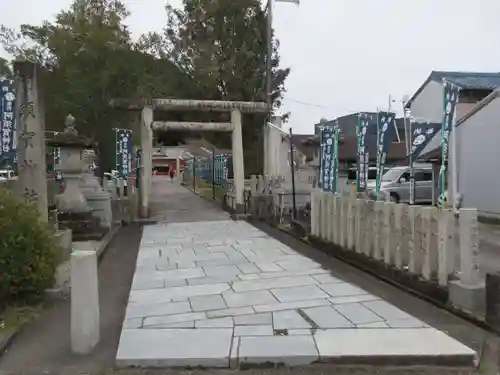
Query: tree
222	46
88	58
5	71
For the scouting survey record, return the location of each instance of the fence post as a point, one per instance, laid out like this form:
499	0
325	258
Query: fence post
469	293
342	221
350	221
429	226
194	173
314	213
369	233
359	224
469	247
397	235
213	174
329	216
446	228
335	232
386	239
415	240
377	230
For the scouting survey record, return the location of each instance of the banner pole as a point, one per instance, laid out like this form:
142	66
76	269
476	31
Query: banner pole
454	161
377	183
442	171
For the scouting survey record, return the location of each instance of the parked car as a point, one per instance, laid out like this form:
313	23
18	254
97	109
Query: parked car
352	175
395	184
7	174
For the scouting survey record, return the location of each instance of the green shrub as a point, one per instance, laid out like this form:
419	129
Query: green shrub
28	251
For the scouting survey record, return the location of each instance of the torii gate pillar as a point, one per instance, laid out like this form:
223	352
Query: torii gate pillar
146	160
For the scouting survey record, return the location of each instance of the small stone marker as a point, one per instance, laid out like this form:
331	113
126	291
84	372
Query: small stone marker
84	301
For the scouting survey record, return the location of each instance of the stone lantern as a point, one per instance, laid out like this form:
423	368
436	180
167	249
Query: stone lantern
73	209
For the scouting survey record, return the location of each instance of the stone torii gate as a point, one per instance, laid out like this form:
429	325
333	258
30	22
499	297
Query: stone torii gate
147	125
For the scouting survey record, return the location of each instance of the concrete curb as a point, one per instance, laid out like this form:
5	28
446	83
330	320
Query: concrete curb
60	292
6	339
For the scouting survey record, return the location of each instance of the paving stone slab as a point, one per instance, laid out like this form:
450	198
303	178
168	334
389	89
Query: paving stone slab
254	319
291	305
327	317
163	320
288	350
174	347
424	346
164	295
259	330
386	310
207	303
299	293
230	312
357	313
342	289
289	319
283	282
252	298
139	310
353	299
215	323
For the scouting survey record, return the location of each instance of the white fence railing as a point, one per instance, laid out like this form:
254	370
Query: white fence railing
421	240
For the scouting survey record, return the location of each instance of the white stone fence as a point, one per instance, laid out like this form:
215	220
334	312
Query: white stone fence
417	239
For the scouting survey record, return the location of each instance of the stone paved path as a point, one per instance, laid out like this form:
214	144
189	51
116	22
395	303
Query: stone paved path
224	294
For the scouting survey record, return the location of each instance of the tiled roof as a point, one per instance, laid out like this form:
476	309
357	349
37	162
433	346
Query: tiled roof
466	80
469	80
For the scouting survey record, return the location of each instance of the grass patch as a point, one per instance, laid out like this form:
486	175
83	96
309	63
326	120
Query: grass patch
15	317
204	188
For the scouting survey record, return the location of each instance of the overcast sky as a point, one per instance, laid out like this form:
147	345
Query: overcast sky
345	55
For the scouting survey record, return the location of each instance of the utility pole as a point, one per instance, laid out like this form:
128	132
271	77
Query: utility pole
269	68
269	59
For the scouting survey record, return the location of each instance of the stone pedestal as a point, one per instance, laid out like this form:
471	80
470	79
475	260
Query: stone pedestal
71	166
89	184
468	298
100	205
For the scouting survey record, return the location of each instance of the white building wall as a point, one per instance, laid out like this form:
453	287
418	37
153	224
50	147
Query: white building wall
428	104
478	156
